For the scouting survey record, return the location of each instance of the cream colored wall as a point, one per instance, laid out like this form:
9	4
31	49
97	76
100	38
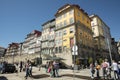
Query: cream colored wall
68	16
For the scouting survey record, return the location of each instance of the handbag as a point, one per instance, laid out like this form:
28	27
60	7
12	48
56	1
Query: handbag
49	69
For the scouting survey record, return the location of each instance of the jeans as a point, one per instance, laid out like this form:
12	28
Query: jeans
56	73
116	74
27	72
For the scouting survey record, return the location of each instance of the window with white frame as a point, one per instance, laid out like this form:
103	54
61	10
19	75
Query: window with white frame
56	42
64	32
65	22
56	34
60	34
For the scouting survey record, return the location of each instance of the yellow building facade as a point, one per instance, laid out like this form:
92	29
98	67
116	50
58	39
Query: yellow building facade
73	27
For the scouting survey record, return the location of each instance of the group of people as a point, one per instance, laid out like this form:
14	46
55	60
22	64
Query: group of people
52	67
106	69
28	69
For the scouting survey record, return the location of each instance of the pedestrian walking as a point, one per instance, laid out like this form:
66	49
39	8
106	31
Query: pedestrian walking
27	69
108	69
97	70
47	66
115	69
30	69
56	68
104	69
119	69
92	70
51	69
21	66
17	67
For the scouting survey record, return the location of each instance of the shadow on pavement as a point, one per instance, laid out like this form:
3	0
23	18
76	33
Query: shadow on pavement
102	79
83	77
77	76
67	75
3	78
40	76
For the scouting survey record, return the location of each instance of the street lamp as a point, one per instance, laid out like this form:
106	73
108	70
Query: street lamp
13	57
40	59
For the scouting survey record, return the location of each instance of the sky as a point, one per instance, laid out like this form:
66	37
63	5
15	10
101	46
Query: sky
20	17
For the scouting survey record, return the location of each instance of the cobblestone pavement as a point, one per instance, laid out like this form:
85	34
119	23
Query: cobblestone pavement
65	74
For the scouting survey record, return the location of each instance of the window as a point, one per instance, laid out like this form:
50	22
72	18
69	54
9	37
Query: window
65	22
64	15
60	34
56	49
64	48
71	30
83	18
64	40
60	49
71	42
64	32
92	24
78	13
61	24
61	41
71	20
58	24
71	12
60	17
56	34
87	19
56	42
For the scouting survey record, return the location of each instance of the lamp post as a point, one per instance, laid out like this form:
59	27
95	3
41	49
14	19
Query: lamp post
13	56
109	50
40	59
21	44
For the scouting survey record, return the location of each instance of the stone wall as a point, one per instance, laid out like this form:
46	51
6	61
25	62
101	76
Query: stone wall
66	56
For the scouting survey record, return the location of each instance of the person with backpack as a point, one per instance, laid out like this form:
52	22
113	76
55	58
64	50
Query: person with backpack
97	70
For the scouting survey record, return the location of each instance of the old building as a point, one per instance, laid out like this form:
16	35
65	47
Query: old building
114	50
2	53
12	49
118	45
48	36
102	37
73	27
30	45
